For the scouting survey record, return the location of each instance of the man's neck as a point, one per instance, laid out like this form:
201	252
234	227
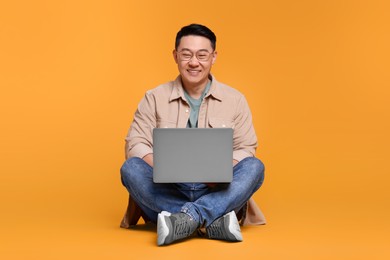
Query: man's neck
195	90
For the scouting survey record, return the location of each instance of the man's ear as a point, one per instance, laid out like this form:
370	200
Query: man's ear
214	57
174	53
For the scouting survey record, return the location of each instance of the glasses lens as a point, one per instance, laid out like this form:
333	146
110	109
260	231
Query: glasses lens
203	55
185	55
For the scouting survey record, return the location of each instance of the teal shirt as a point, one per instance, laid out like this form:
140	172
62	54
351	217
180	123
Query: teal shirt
195	105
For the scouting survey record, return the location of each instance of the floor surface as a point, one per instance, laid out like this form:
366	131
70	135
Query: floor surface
86	233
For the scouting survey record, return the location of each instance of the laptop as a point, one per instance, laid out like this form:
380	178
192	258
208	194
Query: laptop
192	155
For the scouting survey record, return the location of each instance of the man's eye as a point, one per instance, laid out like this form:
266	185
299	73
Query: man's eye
186	57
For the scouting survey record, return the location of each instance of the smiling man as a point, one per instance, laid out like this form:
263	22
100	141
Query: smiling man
194	71
194	100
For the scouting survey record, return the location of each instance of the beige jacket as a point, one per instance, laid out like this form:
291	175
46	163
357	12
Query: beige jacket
223	106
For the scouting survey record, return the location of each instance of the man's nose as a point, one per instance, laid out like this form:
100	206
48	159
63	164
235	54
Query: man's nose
193	60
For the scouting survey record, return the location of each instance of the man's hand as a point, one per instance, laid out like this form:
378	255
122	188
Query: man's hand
234	162
148	159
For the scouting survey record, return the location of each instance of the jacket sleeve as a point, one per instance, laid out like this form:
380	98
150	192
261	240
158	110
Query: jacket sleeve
139	141
244	137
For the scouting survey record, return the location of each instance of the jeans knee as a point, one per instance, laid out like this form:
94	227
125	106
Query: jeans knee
130	167
256	168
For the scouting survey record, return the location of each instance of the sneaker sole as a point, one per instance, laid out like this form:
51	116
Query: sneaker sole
162	228
234	227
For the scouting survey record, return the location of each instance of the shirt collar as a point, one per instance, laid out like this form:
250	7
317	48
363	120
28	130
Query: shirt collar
178	90
215	90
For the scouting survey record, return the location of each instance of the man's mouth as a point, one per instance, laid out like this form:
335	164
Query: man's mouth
193	72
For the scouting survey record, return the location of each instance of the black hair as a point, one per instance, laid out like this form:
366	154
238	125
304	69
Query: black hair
198	30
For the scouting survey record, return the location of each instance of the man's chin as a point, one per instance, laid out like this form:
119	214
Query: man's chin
193	80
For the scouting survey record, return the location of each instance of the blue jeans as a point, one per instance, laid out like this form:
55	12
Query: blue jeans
202	203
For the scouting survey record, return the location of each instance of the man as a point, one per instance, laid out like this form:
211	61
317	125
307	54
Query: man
194	99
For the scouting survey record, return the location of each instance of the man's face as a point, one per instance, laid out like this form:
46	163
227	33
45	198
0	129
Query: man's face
194	71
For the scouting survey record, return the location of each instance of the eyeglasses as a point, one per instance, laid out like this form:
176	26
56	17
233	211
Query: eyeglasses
201	55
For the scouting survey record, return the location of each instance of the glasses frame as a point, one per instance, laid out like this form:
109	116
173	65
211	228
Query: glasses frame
194	54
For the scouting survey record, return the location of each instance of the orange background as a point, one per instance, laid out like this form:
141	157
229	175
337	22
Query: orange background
315	73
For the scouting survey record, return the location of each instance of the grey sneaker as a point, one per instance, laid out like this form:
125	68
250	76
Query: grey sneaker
225	228
172	227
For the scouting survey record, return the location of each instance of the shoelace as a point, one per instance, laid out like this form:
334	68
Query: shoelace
182	229
215	231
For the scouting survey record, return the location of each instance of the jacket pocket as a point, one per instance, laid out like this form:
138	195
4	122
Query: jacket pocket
165	124
220	123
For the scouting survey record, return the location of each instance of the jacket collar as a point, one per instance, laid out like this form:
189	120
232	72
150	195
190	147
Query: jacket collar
178	91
